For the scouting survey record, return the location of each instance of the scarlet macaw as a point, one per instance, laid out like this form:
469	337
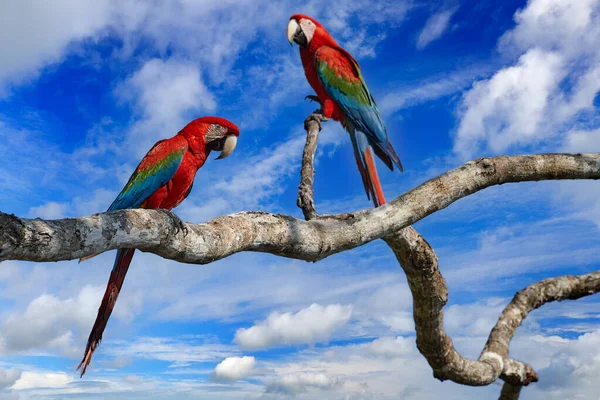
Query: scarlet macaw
336	78
163	179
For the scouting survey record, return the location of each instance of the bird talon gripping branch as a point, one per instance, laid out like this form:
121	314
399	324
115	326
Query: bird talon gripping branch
180	226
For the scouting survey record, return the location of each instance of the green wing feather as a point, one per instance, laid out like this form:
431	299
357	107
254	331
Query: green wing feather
153	172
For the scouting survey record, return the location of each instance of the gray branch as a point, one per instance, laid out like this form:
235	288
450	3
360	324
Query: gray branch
157	231
430	294
306	193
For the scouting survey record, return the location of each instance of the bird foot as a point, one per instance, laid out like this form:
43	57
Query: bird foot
318	117
180	226
314	98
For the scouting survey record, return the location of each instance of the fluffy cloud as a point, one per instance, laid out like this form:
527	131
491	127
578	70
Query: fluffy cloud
234	368
528	102
391	347
50	210
509	108
8	377
49	322
33	380
203	35
310	325
163	92
434	28
300	383
44	32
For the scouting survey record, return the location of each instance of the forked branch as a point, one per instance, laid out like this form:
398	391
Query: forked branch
430	295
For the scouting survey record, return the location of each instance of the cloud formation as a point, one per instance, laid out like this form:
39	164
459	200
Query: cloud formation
309	325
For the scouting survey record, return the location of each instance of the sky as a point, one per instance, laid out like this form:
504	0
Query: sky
86	88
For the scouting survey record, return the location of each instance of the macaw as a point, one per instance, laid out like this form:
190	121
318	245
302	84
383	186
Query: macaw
343	94
163	179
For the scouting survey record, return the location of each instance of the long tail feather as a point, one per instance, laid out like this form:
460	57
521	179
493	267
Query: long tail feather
115	283
378	198
363	153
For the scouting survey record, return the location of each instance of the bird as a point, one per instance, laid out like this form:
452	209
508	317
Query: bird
340	88
162	180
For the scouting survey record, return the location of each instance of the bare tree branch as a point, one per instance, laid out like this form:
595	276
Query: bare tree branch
306	193
510	392
430	294
157	231
534	296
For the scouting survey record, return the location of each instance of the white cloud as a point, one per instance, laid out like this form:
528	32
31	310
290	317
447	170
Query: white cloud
567	367
569	25
310	325
50	210
164	92
8	377
580	199
475	319
550	87
509	108
391	347
435	27
579	141
177	351
234	368
436	87
300	383
33	380
49	323
36	34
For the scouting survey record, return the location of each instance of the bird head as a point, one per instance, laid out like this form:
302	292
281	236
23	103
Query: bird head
217	134
307	32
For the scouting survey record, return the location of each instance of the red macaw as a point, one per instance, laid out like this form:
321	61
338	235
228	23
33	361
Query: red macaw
163	179
336	78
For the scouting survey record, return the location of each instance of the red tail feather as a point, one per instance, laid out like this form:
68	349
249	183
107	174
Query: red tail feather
115	283
378	198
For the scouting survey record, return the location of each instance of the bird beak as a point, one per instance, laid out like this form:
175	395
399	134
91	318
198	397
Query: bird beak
228	146
292	29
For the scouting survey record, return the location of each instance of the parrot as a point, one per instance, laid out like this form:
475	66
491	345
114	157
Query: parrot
163	179
343	94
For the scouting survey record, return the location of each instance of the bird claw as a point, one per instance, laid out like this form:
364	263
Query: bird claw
318	117
314	98
180	226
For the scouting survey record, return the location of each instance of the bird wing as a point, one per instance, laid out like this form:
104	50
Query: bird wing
153	172
340	75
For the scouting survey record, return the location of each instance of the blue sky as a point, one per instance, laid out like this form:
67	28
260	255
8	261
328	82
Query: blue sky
87	87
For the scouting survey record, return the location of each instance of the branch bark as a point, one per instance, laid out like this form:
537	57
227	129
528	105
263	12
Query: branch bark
156	231
430	294
306	192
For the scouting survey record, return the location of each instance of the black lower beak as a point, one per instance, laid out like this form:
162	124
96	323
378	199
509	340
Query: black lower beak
300	38
216	145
